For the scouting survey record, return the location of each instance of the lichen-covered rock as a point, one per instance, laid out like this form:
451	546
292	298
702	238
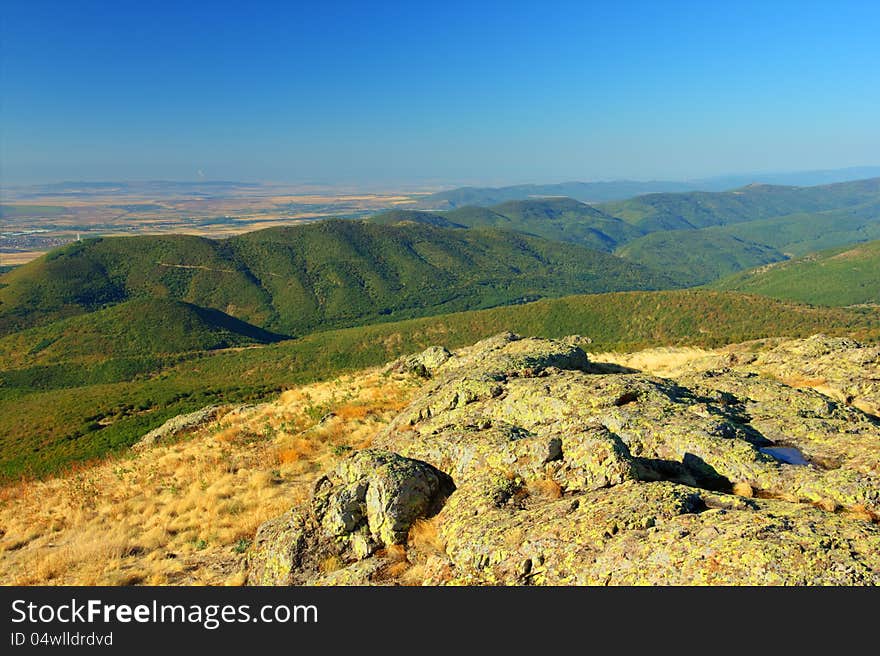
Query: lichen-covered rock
569	471
593	459
838	367
277	550
379	491
177	425
422	364
766	543
369	501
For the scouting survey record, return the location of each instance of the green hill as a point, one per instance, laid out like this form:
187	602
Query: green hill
44	429
141	327
695	257
694	237
848	275
689	211
317	276
614	190
558	219
799	234
394	217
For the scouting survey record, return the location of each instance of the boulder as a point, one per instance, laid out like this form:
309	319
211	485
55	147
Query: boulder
369	501
380	491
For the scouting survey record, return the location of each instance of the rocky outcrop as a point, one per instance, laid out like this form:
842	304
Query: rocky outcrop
368	502
570	472
177	425
188	423
838	367
422	364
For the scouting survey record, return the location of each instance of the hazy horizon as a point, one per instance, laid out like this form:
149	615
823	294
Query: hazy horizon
842	174
435	95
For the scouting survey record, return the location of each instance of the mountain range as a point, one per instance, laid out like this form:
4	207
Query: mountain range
104	339
597	192
694	237
326	274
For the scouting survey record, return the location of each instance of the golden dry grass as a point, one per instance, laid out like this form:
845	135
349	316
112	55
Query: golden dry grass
424	537
544	489
662	361
743	489
185	512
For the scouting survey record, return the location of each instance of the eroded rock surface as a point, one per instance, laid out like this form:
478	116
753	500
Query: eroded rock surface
568	472
368	502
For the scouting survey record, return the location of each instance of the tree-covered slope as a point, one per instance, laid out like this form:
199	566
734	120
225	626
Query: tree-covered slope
326	274
558	219
696	257
847	275
695	237
394	217
140	327
802	233
688	211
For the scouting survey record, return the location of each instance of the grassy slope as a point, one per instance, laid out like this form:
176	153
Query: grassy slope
695	257
841	276
323	275
42	431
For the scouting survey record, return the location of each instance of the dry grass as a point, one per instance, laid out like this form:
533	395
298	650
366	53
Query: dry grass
802	381
859	511
544	489
743	489
424	537
662	361
185	512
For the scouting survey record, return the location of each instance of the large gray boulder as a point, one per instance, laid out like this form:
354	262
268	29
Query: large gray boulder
369	501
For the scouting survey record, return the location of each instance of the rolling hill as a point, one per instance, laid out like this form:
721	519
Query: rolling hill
691	211
558	219
88	412
694	237
326	274
593	192
695	257
140	327
848	275
802	233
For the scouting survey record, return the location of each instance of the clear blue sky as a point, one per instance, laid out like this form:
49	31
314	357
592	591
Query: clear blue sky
445	92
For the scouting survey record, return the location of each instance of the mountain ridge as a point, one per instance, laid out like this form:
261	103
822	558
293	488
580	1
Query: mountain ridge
335	273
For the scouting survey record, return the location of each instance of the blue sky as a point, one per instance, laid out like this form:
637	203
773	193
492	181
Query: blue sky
447	92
